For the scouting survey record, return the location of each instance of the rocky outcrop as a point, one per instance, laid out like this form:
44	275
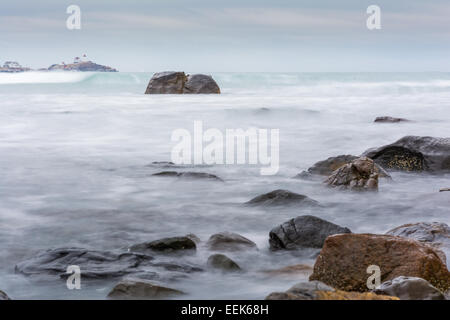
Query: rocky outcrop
227	241
222	262
360	175
410	288
303	232
282	198
138	289
86	66
389	120
165	245
316	290
344	259
412	153
178	83
4	296
188	175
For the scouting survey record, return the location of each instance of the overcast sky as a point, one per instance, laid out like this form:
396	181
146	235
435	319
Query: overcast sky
230	35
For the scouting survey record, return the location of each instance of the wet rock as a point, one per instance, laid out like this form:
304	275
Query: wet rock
141	290
412	153
410	288
282	197
444	189
194	238
294	269
167	83
227	241
344	259
172	82
4	296
390	120
188	175
165	245
360	175
200	83
303	232
222	262
316	290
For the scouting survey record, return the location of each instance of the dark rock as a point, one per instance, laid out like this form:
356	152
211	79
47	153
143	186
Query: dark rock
200	83
141	290
410	288
165	245
412	153
344	259
227	241
222	262
303	232
282	197
166	83
188	175
178	83
444	189
194	238
4	296
360	174
390	120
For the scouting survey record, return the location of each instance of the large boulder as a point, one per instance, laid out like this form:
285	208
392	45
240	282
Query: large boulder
172	82
4	296
222	262
303	232
412	153
228	241
165	245
344	260
410	288
282	198
360	175
132	289
316	290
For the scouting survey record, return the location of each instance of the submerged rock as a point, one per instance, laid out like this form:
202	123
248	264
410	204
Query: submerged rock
410	288
227	241
188	175
4	296
282	197
303	232
141	289
412	153
390	120
360	174
222	262
171	82
165	245
344	259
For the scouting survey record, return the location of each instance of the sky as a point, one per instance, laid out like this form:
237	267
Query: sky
231	35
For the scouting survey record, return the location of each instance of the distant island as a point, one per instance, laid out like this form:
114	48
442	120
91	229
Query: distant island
79	64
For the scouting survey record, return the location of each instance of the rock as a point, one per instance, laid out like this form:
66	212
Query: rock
178	83
412	153
316	290
194	238
410	288
282	197
227	241
200	83
444	189
188	175
96	264
328	166
141	289
222	262
360	175
390	120
435	234
165	245
85	66
294	269
344	259
4	296
303	232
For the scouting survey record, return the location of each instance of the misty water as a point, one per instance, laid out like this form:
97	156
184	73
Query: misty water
75	170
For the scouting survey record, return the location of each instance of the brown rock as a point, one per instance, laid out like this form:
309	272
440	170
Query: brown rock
141	289
228	241
167	83
344	259
360	174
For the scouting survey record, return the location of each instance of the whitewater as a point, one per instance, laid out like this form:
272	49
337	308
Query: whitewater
76	168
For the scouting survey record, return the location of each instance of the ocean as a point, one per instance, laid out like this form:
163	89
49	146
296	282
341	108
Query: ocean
75	168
